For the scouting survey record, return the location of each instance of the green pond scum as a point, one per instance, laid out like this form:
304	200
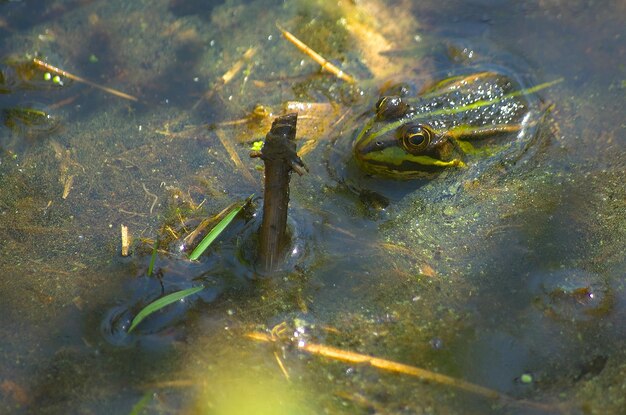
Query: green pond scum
506	272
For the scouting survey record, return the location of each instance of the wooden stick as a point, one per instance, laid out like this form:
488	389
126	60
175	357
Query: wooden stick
280	158
77	78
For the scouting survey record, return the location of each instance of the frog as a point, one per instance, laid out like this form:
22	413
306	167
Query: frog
460	117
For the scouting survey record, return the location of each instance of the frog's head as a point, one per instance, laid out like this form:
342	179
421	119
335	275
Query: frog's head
393	145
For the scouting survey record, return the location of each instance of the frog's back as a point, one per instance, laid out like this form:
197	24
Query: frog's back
477	99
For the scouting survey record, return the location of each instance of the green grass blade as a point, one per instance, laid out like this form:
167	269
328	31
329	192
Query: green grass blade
153	258
139	406
162	302
216	231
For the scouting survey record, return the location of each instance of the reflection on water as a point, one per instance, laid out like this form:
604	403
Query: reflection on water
510	277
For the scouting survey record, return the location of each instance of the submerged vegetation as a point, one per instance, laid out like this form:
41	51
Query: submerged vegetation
201	247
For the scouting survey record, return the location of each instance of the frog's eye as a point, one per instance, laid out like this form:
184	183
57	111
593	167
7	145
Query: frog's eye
391	108
414	137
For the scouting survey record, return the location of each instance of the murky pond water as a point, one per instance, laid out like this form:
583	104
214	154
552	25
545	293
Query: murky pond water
507	274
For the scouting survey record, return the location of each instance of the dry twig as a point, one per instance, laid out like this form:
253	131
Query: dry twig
324	63
227	77
232	152
395	367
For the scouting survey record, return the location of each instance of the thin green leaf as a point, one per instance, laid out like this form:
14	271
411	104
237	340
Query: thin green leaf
216	231
162	302
141	404
153	258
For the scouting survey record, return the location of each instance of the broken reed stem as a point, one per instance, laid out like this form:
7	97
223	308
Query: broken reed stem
232	152
401	368
280	158
323	62
125	240
67	186
227	76
388	365
77	78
